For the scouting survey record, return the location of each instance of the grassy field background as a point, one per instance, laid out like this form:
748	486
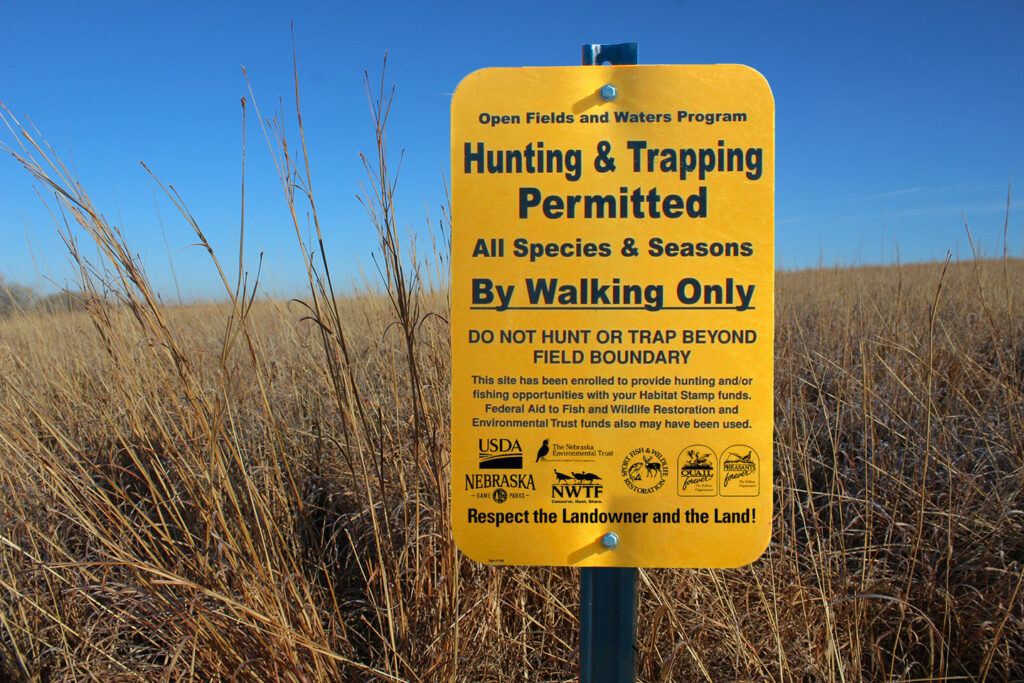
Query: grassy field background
258	490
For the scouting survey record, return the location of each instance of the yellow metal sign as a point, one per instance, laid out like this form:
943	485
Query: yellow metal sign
612	315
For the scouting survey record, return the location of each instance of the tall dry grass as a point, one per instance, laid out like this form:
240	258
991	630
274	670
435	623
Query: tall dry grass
258	491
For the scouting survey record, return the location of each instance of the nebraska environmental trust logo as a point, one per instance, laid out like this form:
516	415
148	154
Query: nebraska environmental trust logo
500	454
576	487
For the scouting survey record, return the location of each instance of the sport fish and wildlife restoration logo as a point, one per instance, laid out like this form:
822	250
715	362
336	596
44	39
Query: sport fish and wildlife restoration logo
644	470
576	487
500	454
697	467
739	471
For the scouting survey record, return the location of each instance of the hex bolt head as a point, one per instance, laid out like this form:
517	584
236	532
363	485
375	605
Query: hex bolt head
610	540
608	92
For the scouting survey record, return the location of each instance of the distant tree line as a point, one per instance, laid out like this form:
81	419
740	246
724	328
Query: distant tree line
15	297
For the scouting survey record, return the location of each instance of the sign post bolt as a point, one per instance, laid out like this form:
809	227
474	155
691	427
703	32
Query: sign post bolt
610	540
608	92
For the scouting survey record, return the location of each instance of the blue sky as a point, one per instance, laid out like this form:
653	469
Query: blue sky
893	119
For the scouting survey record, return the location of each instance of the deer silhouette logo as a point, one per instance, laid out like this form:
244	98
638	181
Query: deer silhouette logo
653	467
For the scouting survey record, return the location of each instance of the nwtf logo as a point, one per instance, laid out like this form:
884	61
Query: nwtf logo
500	454
577	486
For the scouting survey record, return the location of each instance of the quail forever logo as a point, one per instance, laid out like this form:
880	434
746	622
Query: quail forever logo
697	467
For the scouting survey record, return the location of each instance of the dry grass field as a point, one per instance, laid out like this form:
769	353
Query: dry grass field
257	490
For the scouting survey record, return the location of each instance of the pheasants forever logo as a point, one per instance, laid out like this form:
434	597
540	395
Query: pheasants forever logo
739	471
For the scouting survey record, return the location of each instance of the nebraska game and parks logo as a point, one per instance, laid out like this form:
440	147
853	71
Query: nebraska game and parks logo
500	454
697	465
576	487
499	487
739	471
644	470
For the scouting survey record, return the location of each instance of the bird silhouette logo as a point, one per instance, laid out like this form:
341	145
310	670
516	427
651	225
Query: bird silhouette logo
542	451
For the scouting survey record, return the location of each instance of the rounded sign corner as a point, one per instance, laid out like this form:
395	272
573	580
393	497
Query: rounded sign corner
472	79
466	548
756	552
761	79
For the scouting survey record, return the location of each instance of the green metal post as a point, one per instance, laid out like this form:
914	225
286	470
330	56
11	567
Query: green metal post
608	594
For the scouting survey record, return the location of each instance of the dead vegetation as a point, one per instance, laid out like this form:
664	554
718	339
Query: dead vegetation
258	490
